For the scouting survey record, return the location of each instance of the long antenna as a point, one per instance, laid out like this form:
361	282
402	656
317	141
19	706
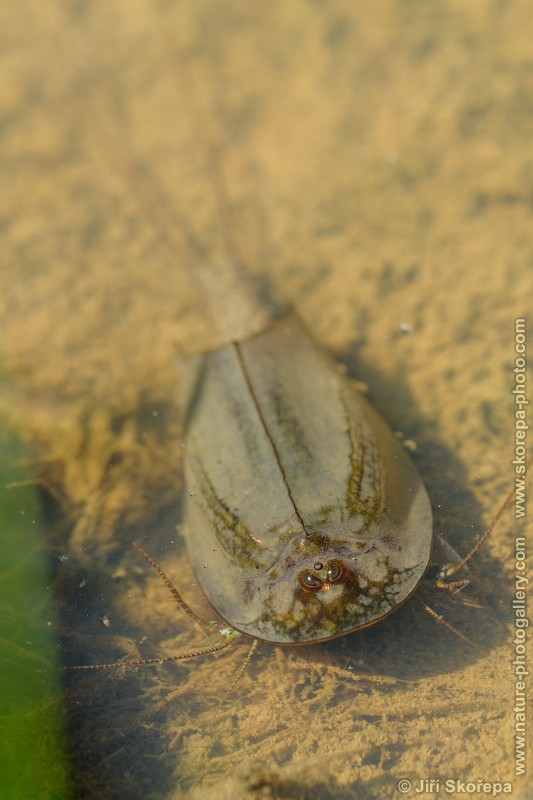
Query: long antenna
440	619
447	570
154	661
229	634
200	624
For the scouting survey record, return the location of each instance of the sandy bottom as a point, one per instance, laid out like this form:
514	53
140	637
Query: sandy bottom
374	161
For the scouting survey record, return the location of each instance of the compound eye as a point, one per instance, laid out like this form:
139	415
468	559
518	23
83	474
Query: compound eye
309	581
335	572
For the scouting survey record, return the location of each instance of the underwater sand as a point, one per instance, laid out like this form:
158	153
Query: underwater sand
377	164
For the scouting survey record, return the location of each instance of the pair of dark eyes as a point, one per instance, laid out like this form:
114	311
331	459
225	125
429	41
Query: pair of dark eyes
334	573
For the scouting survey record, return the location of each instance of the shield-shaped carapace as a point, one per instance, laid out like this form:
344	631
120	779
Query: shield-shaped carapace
305	518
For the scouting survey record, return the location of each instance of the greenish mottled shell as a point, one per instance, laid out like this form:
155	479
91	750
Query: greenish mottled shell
289	471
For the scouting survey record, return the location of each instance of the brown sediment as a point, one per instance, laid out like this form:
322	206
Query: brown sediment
375	160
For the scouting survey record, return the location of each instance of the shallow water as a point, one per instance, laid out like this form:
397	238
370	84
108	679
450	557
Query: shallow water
375	164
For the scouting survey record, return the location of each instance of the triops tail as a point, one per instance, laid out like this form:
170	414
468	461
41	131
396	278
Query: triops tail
231	304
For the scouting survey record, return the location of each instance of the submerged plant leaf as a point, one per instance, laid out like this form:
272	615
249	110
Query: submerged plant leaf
32	746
